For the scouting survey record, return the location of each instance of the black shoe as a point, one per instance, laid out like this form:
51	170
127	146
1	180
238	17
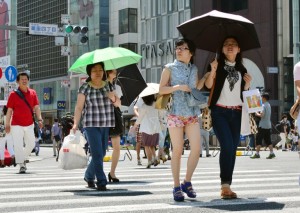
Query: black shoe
101	188
145	157
200	155
208	155
114	180
13	162
22	169
91	184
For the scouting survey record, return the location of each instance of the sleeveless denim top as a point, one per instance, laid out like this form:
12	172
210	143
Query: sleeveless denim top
187	74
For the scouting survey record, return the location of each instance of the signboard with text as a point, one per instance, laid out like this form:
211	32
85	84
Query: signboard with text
61	105
43	29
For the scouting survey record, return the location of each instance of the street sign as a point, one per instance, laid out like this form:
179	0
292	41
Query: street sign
11	73
65	50
43	29
65	19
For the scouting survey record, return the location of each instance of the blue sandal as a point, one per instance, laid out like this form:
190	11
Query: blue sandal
177	194
187	188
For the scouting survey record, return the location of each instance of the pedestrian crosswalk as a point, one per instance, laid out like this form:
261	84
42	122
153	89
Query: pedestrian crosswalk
47	188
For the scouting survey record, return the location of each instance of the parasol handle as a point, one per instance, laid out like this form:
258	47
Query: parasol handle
216	56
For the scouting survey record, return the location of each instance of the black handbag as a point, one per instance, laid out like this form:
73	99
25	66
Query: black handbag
118	128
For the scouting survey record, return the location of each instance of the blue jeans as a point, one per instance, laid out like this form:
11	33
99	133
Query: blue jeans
227	127
97	138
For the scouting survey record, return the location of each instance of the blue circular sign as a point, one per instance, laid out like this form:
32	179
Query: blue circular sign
11	73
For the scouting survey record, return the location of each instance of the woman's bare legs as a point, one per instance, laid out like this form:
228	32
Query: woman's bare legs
115	155
193	133
176	134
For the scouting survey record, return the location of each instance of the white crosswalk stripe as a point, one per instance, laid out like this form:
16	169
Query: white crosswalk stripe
50	189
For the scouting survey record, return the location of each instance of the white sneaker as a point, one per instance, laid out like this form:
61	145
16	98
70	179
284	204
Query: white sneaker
139	162
150	163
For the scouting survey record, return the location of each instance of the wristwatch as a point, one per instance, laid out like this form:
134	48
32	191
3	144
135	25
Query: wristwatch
41	120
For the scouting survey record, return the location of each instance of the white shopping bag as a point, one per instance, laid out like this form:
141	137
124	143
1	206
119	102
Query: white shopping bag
72	154
245	123
252	100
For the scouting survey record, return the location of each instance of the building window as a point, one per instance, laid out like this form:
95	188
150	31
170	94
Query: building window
128	21
171	26
159	28
153	29
163	7
130	46
180	4
230	5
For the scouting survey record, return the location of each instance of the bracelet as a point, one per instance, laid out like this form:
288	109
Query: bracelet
41	120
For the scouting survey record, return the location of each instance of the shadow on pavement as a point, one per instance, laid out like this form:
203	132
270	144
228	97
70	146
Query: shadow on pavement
108	193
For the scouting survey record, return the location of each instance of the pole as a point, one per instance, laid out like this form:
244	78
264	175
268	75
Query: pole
69	62
13	27
296	35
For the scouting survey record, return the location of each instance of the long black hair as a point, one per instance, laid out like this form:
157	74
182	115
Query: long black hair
148	100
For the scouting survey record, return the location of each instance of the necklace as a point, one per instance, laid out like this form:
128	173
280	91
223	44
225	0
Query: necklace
233	75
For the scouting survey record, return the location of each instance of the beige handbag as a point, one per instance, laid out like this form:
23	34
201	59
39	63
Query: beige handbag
253	126
206	119
206	113
162	101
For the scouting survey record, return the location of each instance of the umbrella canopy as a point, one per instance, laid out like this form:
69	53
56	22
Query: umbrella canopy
151	89
132	83
112	57
208	31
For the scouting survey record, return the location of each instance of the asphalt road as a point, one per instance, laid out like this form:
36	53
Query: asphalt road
262	186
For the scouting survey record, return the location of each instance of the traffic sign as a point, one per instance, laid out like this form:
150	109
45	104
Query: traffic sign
11	73
43	29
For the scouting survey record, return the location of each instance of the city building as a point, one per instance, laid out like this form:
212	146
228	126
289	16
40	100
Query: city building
148	28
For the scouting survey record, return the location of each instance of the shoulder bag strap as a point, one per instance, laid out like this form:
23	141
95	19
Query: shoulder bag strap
20	94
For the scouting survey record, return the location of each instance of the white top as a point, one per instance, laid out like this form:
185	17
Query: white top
148	119
231	98
297	72
118	90
139	103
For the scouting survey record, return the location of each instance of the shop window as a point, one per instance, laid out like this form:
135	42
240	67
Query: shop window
229	6
128	21
130	46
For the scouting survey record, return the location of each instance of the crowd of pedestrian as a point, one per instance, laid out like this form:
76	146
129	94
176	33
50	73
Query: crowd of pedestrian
97	114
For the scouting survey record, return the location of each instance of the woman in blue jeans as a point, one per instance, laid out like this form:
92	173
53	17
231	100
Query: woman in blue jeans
95	105
230	79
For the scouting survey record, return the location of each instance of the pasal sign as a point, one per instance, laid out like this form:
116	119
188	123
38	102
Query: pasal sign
43	29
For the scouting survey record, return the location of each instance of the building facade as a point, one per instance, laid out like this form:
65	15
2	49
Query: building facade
148	28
